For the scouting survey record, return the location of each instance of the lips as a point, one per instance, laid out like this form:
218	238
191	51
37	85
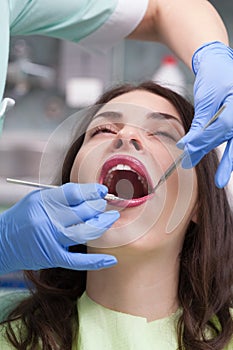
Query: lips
126	177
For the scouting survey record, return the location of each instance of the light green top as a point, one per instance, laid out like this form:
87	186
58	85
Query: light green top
92	23
103	329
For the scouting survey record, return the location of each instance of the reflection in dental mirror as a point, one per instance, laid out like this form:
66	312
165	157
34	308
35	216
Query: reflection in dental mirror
125	188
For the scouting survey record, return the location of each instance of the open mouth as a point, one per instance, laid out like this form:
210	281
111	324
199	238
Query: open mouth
126	177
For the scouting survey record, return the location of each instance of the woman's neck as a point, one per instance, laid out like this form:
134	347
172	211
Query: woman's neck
144	286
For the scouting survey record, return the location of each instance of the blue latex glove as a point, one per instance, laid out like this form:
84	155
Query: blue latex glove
213	87
37	231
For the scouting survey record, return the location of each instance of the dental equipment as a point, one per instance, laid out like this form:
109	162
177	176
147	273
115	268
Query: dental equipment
108	196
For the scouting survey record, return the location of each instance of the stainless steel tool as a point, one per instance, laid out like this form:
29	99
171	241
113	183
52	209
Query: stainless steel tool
108	196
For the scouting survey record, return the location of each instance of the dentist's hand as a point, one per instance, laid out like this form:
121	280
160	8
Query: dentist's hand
213	66
37	231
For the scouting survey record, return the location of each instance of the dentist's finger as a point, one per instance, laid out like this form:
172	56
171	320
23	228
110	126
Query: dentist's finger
91	229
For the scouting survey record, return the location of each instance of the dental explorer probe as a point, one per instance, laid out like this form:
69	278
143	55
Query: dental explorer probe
108	196
178	160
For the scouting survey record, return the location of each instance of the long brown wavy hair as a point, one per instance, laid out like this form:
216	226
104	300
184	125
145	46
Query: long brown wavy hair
50	317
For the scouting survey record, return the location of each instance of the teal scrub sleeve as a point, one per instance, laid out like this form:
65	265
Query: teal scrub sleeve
108	20
71	20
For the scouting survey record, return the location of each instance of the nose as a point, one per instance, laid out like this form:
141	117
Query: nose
128	138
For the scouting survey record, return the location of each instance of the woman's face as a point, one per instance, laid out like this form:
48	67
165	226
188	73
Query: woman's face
129	144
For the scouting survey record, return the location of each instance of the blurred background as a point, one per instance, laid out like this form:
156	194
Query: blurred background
52	79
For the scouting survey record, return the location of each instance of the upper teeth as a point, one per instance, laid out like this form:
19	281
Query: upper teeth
120	167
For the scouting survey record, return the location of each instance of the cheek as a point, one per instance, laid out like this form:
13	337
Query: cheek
87	165
81	169
75	171
183	199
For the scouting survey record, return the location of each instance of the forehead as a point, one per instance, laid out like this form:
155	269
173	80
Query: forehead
139	103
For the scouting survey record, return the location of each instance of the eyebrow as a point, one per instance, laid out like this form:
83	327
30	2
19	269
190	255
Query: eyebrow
158	115
109	114
150	115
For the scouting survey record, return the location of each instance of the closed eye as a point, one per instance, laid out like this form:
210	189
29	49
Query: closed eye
163	134
103	129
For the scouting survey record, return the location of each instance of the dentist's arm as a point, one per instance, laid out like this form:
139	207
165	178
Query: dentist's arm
37	231
194	31
182	25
